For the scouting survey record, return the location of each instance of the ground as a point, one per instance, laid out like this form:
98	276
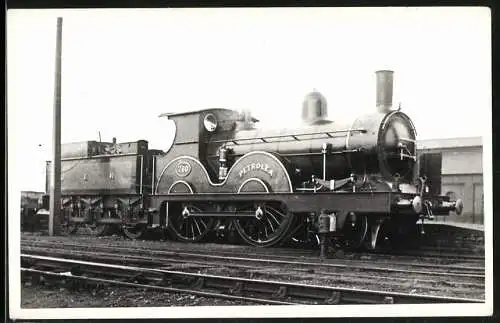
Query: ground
57	297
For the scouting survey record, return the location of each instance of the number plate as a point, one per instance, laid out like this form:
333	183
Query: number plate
183	169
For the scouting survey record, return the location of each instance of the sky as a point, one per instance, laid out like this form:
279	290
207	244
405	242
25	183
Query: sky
122	68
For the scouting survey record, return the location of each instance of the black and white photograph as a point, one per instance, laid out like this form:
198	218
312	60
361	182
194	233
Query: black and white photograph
249	162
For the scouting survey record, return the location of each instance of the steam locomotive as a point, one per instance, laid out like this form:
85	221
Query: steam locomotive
226	176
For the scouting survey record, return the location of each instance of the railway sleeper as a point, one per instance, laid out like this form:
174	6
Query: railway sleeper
199	283
139	279
334	299
281	292
237	289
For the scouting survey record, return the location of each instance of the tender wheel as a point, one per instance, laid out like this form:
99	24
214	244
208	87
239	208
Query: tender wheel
184	227
134	231
68	227
133	228
94	228
355	230
267	228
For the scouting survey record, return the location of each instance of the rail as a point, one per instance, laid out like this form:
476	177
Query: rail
459	271
38	273
272	290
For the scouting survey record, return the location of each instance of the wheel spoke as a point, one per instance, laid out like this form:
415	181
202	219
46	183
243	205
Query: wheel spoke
192	228
197	226
282	215
274	218
270	224
204	224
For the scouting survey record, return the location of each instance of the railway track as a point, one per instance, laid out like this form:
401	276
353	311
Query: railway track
427	278
472	270
345	276
427	254
253	290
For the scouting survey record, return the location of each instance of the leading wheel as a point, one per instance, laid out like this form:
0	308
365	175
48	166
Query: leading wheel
267	228
355	230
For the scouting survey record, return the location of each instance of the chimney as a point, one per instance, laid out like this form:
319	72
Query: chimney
384	90
114	140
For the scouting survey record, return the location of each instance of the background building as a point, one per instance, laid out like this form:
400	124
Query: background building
462	173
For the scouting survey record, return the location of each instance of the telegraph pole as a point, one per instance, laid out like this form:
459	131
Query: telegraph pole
55	180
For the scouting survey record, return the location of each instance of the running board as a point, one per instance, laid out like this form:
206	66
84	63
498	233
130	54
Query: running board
363	202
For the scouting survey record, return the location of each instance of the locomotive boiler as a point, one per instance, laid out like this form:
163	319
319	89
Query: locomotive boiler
225	175
378	144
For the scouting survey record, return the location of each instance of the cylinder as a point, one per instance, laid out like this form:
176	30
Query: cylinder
384	90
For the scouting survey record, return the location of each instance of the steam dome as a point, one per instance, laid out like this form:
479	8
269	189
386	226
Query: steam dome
314	108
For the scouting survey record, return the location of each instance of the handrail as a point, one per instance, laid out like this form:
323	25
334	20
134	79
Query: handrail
100	156
345	151
294	136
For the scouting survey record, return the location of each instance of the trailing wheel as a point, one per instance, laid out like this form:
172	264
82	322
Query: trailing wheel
184	226
267	228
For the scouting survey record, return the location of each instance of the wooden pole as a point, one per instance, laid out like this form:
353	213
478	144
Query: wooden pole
55	183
